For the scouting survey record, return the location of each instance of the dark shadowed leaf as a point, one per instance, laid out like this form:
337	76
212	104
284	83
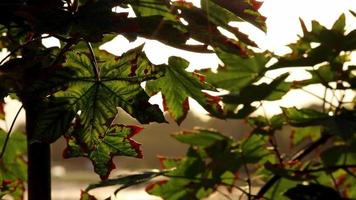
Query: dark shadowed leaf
312	192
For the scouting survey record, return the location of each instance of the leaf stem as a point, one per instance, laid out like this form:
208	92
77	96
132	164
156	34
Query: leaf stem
94	62
9	133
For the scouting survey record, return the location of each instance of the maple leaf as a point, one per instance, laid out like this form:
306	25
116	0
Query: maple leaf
116	142
177	85
96	99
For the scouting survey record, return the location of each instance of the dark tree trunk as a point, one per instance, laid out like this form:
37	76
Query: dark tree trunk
39	164
39	171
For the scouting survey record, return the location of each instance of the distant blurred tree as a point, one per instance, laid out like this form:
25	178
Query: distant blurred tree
74	91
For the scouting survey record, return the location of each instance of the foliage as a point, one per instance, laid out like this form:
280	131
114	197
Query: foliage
74	91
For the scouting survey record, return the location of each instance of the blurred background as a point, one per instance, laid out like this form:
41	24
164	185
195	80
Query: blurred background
72	175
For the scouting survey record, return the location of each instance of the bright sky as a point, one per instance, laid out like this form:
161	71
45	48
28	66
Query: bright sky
283	27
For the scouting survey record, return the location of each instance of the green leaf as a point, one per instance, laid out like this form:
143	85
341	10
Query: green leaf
212	160
117	85
279	188
203	30
202	138
339	24
331	43
237	72
153	7
116	142
246	10
52	120
341	124
177	85
13	168
312	191
339	155
299	134
304	117
251	93
221	17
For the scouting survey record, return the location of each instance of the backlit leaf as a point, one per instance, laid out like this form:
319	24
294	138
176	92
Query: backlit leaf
237	72
177	85
118	85
212	160
117	141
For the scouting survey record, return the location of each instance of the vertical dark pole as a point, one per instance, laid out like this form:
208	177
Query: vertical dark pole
39	174
39	165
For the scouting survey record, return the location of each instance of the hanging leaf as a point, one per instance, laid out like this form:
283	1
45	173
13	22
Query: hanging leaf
177	85
246	10
98	94
117	141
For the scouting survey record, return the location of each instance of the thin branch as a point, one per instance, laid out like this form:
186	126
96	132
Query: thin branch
272	138
20	47
298	156
9	133
324	99
94	62
248	180
62	52
320	98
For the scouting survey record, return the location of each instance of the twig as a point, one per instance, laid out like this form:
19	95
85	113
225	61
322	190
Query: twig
93	61
9	132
